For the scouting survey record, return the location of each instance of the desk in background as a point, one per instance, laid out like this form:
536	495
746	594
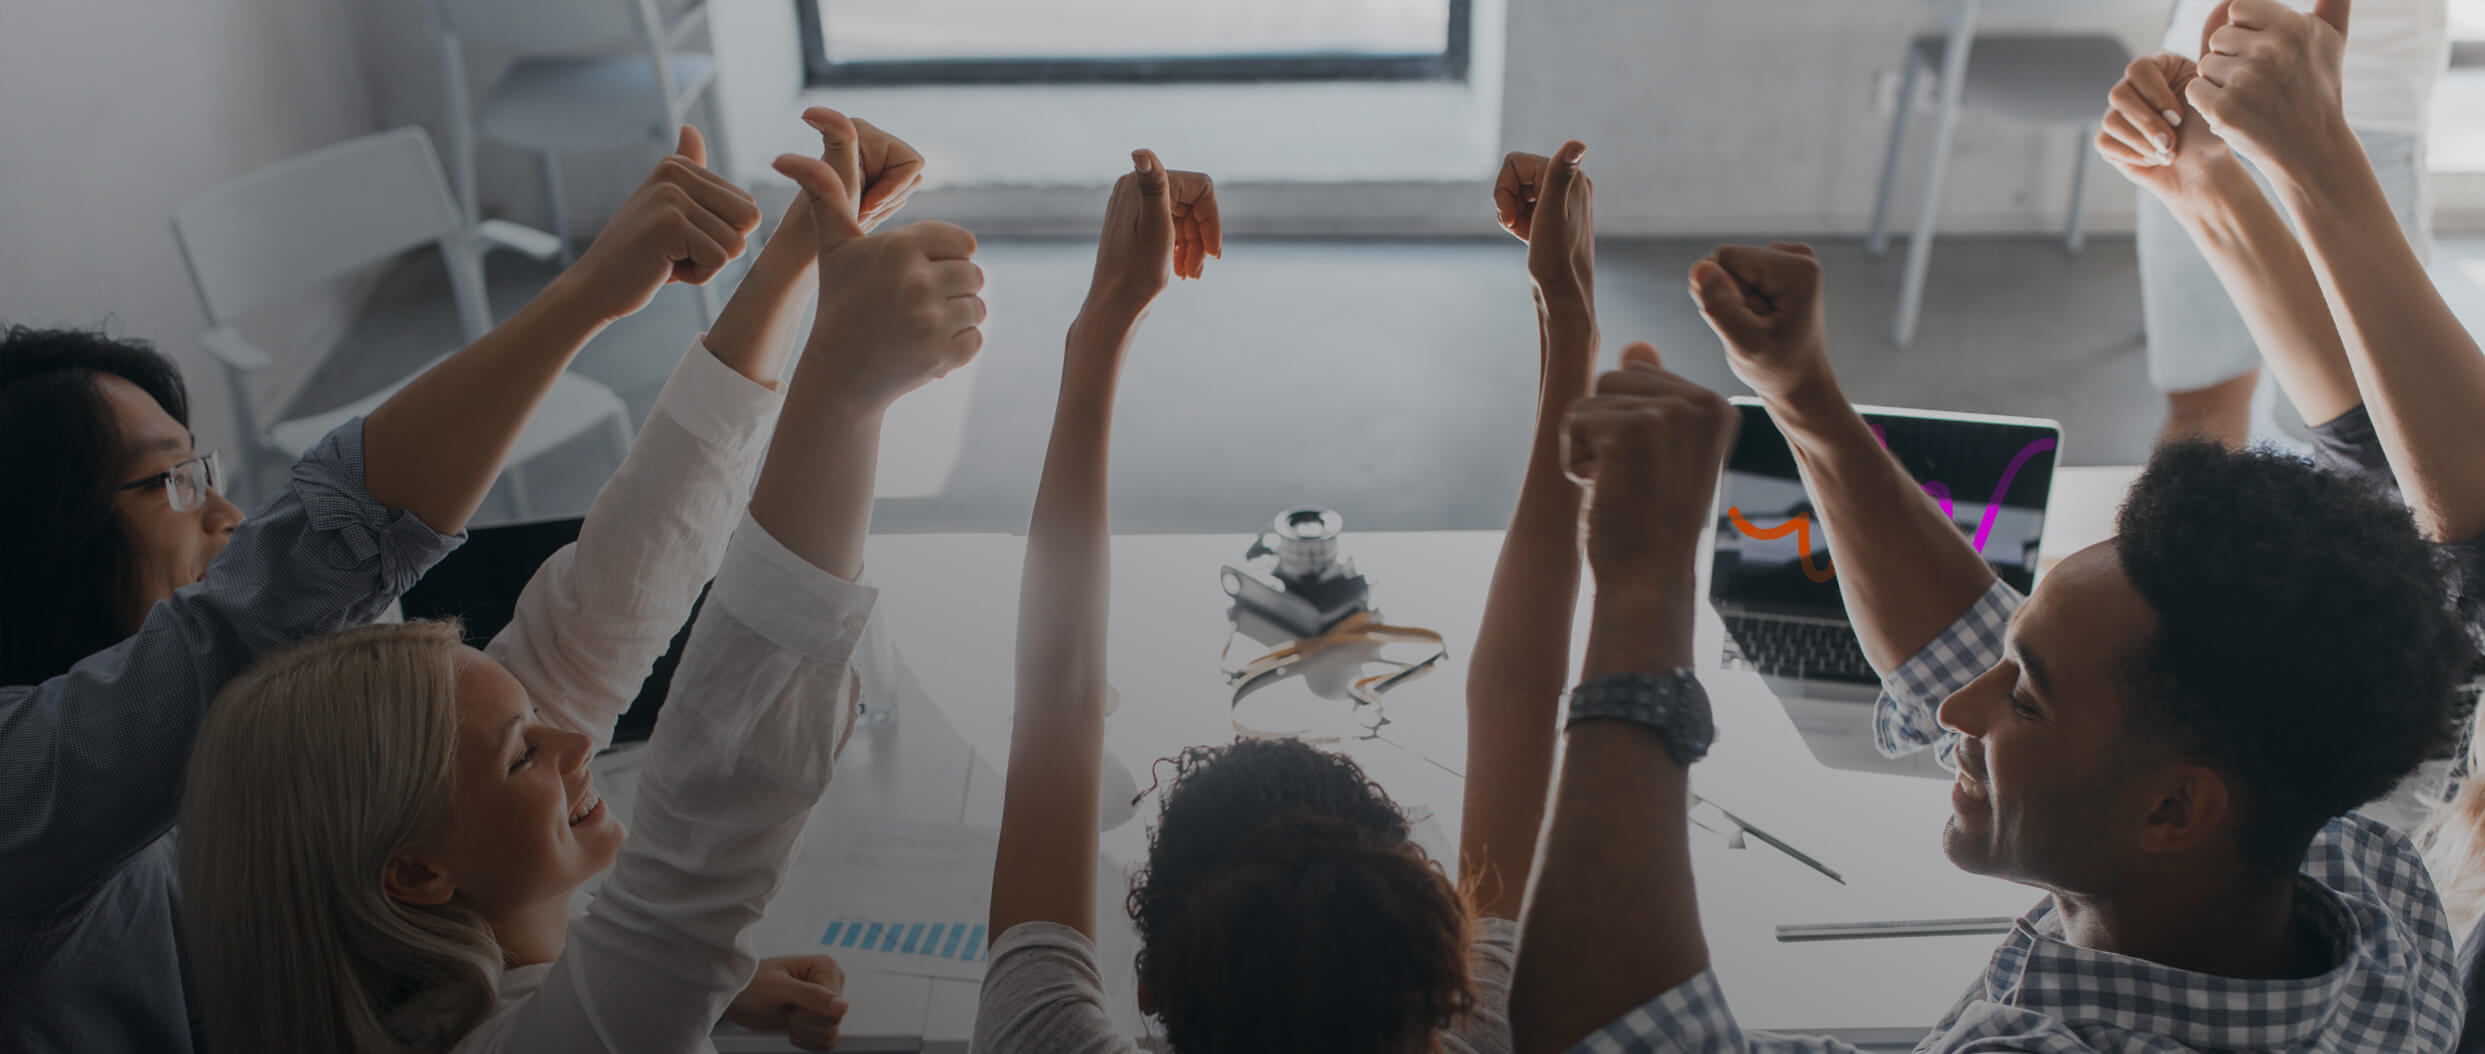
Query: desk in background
950	603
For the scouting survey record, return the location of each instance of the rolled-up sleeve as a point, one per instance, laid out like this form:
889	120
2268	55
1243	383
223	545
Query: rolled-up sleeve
1903	719
1693	1018
744	750
91	761
599	613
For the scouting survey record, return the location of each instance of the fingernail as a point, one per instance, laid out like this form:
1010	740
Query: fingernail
2165	143
2173	117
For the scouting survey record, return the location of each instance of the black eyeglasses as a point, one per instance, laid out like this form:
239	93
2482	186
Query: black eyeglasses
186	484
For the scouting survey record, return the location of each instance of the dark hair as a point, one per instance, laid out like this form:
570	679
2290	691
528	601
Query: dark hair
1283	907
66	568
2306	644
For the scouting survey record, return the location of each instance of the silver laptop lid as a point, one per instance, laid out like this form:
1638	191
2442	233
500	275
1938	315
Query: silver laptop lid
1772	558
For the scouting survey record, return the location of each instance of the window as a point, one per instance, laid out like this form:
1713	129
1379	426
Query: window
884	42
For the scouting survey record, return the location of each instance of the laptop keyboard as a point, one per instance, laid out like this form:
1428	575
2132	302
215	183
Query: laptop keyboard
1786	648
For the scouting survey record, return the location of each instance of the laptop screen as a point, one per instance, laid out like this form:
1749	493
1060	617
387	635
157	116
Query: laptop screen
1772	555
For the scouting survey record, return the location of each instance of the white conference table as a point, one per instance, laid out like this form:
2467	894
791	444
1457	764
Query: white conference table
949	604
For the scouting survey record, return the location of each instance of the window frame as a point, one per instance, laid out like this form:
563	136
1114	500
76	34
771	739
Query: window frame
1450	64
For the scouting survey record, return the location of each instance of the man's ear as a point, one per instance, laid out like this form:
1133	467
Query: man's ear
413	879
2190	805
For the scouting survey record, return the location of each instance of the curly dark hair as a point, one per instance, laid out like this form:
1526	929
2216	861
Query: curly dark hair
1283	907
65	562
2306	644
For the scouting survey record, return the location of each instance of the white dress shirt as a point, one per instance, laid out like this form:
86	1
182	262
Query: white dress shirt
744	748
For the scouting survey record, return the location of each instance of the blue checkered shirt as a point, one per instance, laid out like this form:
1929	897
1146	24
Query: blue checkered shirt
2393	992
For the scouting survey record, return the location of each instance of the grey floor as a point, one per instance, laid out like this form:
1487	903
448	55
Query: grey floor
1393	381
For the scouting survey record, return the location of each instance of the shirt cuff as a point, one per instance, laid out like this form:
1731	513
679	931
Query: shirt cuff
784	598
328	481
716	404
1690	1017
1905	717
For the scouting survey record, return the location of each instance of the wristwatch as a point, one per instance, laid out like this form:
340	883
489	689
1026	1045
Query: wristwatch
1672	705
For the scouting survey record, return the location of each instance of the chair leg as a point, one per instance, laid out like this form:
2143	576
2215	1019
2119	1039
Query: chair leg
2075	230
1937	167
554	200
1879	244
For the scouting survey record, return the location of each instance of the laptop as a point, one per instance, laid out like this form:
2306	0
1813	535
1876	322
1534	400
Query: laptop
1774	584
479	582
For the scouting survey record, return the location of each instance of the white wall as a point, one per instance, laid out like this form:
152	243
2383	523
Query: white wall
1764	116
114	111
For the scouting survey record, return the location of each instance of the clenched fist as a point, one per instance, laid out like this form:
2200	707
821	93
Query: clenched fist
2153	136
1551	205
878	171
896	309
683	224
1765	304
2270	79
1158	225
801	996
1647	447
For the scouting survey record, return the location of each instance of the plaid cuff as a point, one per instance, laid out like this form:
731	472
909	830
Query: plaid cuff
1903	719
1692	1018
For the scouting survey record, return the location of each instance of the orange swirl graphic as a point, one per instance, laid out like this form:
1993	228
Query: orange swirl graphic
1801	526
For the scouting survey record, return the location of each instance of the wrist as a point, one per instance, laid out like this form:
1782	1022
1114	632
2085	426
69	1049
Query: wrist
1641	625
569	301
1811	403
2320	164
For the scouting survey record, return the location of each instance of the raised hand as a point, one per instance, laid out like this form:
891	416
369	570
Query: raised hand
1765	304
1551	205
801	996
683	224
897	309
1647	447
2270	79
879	171
1157	225
2151	134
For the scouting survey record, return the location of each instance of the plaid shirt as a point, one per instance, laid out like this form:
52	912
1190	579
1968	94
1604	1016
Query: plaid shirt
2364	888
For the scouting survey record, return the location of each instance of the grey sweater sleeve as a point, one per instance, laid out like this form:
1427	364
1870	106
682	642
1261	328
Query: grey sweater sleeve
91	761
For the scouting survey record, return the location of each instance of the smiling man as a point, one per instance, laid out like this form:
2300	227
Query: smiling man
2169	737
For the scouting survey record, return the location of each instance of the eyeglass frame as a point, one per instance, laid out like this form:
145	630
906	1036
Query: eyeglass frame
211	471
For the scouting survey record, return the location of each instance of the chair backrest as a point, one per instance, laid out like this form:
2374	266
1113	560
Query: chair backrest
314	217
550	26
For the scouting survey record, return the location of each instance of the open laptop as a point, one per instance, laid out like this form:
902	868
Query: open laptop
1789	626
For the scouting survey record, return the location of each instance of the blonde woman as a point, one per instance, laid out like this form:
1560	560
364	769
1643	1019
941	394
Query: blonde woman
383	827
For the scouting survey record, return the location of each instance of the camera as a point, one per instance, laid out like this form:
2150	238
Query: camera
1308	588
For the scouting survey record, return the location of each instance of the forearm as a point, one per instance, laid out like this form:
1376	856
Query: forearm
756	330
1046	869
434	448
2264	270
1522	650
1612	920
2420	372
815	492
1904	570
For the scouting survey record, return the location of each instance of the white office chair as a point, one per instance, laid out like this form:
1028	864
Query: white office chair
2031	78
592	75
305	220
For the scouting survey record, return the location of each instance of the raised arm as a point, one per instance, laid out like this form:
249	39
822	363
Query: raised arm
2155	139
434	448
1612	920
763	694
597	614
2270	85
1522	650
1902	566
1157	224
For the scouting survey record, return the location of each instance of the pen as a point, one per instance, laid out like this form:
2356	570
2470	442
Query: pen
1772	840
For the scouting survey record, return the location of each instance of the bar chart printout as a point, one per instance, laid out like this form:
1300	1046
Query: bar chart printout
954	949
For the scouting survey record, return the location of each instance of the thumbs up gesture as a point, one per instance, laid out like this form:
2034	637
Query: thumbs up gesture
1158	225
1550	204
897	309
879	171
2270	79
683	224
